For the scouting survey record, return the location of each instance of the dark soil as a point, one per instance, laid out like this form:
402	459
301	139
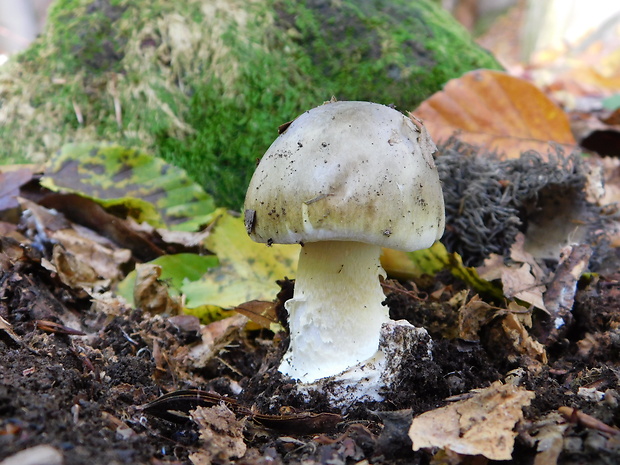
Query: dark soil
85	394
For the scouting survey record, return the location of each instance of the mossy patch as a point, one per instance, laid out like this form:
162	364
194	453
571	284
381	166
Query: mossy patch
205	83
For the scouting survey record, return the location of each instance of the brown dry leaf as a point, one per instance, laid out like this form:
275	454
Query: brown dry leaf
75	273
481	425
151	294
88	247
214	336
514	326
83	259
91	215
221	435
472	316
519	282
549	435
522	278
262	313
498	112
10	182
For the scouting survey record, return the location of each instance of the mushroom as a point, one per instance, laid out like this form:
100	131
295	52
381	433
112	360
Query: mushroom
343	180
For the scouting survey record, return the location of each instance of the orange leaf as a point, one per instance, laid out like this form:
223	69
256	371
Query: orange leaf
496	111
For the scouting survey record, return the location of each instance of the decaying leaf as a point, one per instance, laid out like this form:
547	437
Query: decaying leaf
82	258
498	112
521	276
151	293
472	316
86	212
10	181
519	283
437	258
247	271
515	326
547	435
481	425
214	336
514	321
262	313
221	435
56	328
174	271
176	407
146	187
413	265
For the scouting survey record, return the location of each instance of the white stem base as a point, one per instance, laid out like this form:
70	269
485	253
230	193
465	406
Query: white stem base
378	378
336	313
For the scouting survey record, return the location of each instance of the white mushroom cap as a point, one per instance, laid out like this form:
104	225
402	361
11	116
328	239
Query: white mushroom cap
348	171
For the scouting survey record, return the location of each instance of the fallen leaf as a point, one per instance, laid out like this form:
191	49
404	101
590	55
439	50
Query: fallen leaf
176	270
521	276
82	258
221	435
518	282
549	436
146	187
10	182
88	247
214	336
90	214
514	327
74	273
472	316
176	407
481	425
413	265
454	263
498	112
56	328
150	293
247	271
262	313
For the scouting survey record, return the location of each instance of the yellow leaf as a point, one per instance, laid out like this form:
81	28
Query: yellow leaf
247	271
434	259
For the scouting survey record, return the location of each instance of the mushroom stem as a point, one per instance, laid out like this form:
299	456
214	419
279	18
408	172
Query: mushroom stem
336	313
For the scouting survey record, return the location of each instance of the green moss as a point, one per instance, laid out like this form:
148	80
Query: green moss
85	34
205	84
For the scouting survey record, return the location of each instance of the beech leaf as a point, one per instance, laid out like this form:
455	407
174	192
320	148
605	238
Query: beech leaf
496	111
247	271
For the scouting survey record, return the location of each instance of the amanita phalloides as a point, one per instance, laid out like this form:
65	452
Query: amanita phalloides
344	180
